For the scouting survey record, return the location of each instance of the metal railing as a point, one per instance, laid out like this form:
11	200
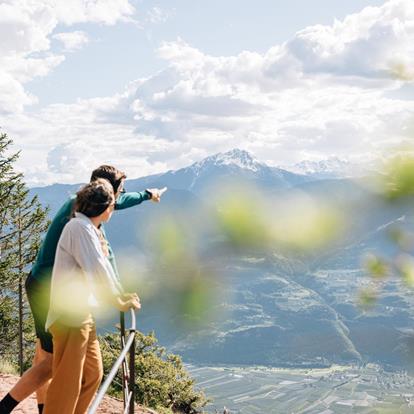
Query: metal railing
128	369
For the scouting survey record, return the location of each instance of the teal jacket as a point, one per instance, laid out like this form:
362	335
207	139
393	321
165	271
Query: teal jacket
42	268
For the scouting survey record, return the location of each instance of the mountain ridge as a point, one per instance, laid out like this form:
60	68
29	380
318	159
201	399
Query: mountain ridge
244	160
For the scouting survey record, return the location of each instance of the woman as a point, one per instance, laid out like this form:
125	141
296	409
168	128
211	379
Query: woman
83	281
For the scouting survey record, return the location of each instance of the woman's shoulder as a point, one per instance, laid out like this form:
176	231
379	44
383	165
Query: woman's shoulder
80	224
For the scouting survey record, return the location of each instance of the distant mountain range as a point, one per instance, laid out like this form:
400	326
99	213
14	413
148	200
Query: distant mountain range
225	167
332	167
235	165
232	166
277	308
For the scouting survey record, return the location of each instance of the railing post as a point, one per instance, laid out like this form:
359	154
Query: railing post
132	375
122	324
124	367
129	378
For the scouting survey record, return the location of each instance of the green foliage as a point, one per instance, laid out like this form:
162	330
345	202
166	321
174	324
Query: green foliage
296	223
243	226
404	264
395	185
22	222
376	266
367	298
398	180
161	382
402	71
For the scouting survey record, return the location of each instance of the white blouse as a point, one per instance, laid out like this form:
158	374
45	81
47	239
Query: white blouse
83	279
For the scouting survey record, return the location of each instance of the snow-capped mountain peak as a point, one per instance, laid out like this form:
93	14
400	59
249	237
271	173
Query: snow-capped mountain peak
332	167
235	157
332	164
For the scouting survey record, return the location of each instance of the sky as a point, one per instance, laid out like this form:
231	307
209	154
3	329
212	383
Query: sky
150	86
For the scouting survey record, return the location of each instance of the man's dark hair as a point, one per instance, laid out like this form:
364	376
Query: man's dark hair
94	198
110	173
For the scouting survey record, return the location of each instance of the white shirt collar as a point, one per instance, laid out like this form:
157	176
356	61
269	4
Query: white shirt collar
87	219
82	216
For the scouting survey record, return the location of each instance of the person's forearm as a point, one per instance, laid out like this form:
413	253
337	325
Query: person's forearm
127	200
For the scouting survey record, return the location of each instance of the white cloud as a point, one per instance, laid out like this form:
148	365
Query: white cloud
94	11
157	15
325	90
26	28
12	94
72	40
328	91
63	143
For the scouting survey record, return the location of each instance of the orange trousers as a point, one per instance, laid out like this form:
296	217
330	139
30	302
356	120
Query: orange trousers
77	369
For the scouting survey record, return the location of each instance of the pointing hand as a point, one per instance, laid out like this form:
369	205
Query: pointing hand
156	193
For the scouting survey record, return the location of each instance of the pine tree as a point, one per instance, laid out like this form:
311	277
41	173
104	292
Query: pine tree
8	181
22	222
29	221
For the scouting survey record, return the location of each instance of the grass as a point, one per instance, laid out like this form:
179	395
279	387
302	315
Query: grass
7	367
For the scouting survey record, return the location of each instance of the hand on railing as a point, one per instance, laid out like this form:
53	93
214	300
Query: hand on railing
130	295
128	301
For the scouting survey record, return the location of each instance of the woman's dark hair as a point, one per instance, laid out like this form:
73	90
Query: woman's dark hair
110	173
94	198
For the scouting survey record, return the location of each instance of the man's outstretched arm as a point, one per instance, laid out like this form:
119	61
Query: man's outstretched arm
130	199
